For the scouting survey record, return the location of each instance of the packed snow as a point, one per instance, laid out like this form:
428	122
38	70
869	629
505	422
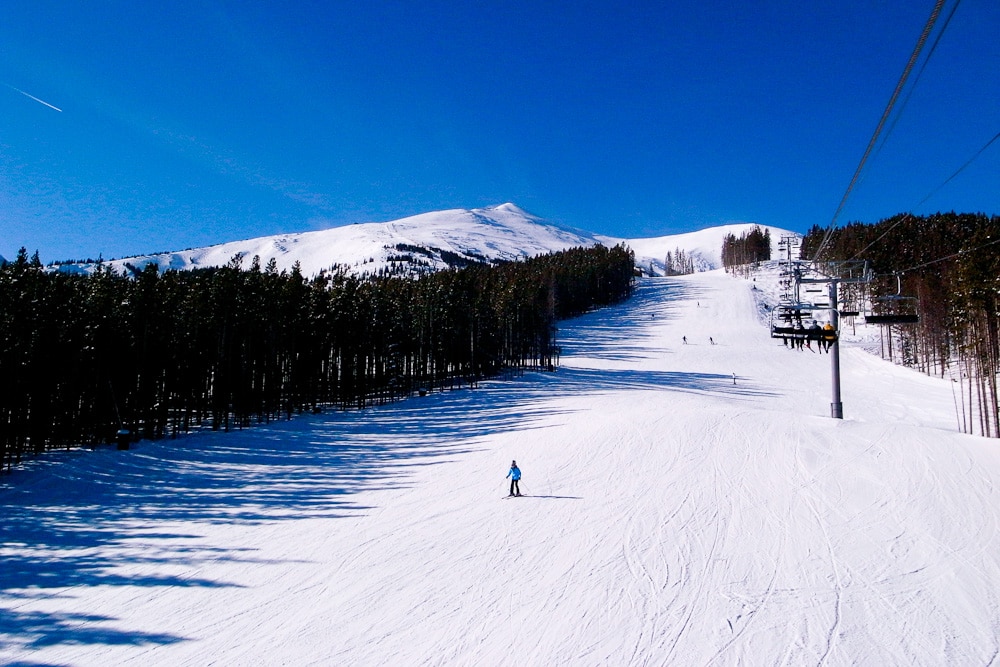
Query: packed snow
688	504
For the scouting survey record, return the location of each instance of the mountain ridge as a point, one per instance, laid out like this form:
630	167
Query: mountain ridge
431	241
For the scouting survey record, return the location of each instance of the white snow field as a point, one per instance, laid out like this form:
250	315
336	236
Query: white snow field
673	518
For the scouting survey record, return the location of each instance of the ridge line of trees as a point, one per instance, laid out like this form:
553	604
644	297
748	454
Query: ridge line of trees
82	356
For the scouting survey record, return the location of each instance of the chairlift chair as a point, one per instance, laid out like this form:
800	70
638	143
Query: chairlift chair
789	320
894	308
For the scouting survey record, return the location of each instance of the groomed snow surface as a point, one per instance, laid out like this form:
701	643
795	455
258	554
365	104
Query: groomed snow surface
674	517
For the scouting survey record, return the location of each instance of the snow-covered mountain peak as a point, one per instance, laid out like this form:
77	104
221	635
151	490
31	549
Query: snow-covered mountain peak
432	241
511	212
511	208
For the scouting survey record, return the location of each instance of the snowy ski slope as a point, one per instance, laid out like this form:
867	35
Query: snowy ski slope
676	516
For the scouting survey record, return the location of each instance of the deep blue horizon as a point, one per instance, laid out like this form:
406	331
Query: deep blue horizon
129	128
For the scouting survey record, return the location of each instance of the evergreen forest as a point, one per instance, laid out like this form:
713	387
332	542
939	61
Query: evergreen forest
946	268
678	263
161	353
741	254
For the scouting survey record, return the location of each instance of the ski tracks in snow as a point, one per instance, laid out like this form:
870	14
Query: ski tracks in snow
657	569
673	518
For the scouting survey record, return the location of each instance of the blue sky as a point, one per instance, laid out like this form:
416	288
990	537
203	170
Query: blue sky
190	123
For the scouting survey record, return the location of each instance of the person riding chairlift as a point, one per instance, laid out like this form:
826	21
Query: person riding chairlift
814	333
829	336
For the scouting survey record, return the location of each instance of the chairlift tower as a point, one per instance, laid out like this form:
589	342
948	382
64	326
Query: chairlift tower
789	245
836	404
806	274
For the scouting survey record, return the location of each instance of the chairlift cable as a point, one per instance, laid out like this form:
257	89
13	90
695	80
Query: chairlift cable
951	256
878	130
908	215
916	81
916	78
962	168
891	227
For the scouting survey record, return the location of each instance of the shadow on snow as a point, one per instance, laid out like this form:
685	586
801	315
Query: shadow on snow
616	332
84	519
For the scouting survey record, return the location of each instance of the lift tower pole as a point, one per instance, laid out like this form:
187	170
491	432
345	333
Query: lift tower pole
836	406
832	283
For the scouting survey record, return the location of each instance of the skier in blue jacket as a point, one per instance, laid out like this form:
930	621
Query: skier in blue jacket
515	474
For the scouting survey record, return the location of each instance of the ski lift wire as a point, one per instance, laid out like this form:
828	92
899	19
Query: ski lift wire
935	12
951	256
916	78
962	168
909	215
916	81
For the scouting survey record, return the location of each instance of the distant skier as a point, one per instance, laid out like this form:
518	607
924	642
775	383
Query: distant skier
685	339
515	475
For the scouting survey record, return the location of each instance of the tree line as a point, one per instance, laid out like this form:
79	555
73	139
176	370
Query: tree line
160	353
678	263
740	254
947	266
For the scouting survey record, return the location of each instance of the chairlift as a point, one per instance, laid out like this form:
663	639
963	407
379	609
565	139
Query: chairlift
795	321
894	308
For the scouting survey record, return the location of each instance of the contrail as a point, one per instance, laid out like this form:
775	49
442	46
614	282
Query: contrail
34	98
